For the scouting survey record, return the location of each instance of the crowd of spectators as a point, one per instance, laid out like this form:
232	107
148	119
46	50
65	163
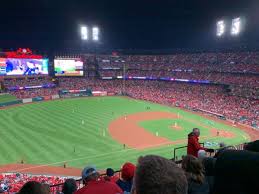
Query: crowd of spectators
227	68
250	80
29	81
110	73
245	92
218	62
195	96
33	93
12	182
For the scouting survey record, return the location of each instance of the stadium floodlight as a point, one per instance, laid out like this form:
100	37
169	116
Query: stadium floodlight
236	26
220	28
84	33
95	33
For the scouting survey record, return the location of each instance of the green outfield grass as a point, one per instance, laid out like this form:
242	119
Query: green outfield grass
7	98
48	132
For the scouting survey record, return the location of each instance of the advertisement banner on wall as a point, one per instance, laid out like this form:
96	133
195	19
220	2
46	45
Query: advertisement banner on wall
99	93
27	100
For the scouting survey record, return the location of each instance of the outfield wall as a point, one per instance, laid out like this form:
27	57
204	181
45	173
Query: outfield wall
53	97
4	104
29	100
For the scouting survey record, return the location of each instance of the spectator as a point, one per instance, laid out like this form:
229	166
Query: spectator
95	185
252	146
158	175
202	154
15	181
69	186
3	188
197	182
46	187
209	167
110	175
33	187
193	143
236	171
223	147
127	174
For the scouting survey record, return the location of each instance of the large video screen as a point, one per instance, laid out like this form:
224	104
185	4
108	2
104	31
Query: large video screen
10	66
68	67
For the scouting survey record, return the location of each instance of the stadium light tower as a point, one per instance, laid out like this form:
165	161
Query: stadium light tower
236	26
84	33
95	33
221	28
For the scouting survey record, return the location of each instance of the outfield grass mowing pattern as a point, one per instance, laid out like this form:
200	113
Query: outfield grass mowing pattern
7	98
48	132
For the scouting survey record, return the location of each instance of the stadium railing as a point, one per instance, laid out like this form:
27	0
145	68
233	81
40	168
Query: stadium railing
178	160
58	187
175	157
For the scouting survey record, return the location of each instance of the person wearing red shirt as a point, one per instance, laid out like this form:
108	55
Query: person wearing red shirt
193	143
95	185
127	174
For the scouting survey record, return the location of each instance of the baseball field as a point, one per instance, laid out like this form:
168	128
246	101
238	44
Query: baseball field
104	131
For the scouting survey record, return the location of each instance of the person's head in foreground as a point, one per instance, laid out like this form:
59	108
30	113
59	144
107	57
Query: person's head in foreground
222	145
33	187
252	146
202	154
236	171
69	186
89	173
196	131
193	168
158	175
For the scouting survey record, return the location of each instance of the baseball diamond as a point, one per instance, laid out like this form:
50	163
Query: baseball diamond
52	132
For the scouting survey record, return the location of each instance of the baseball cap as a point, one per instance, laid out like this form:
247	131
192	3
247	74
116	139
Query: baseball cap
128	171
87	171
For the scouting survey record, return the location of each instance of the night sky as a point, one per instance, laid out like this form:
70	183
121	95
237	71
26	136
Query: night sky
143	24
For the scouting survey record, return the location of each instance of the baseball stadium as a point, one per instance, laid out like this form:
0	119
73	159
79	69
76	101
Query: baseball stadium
56	125
120	121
